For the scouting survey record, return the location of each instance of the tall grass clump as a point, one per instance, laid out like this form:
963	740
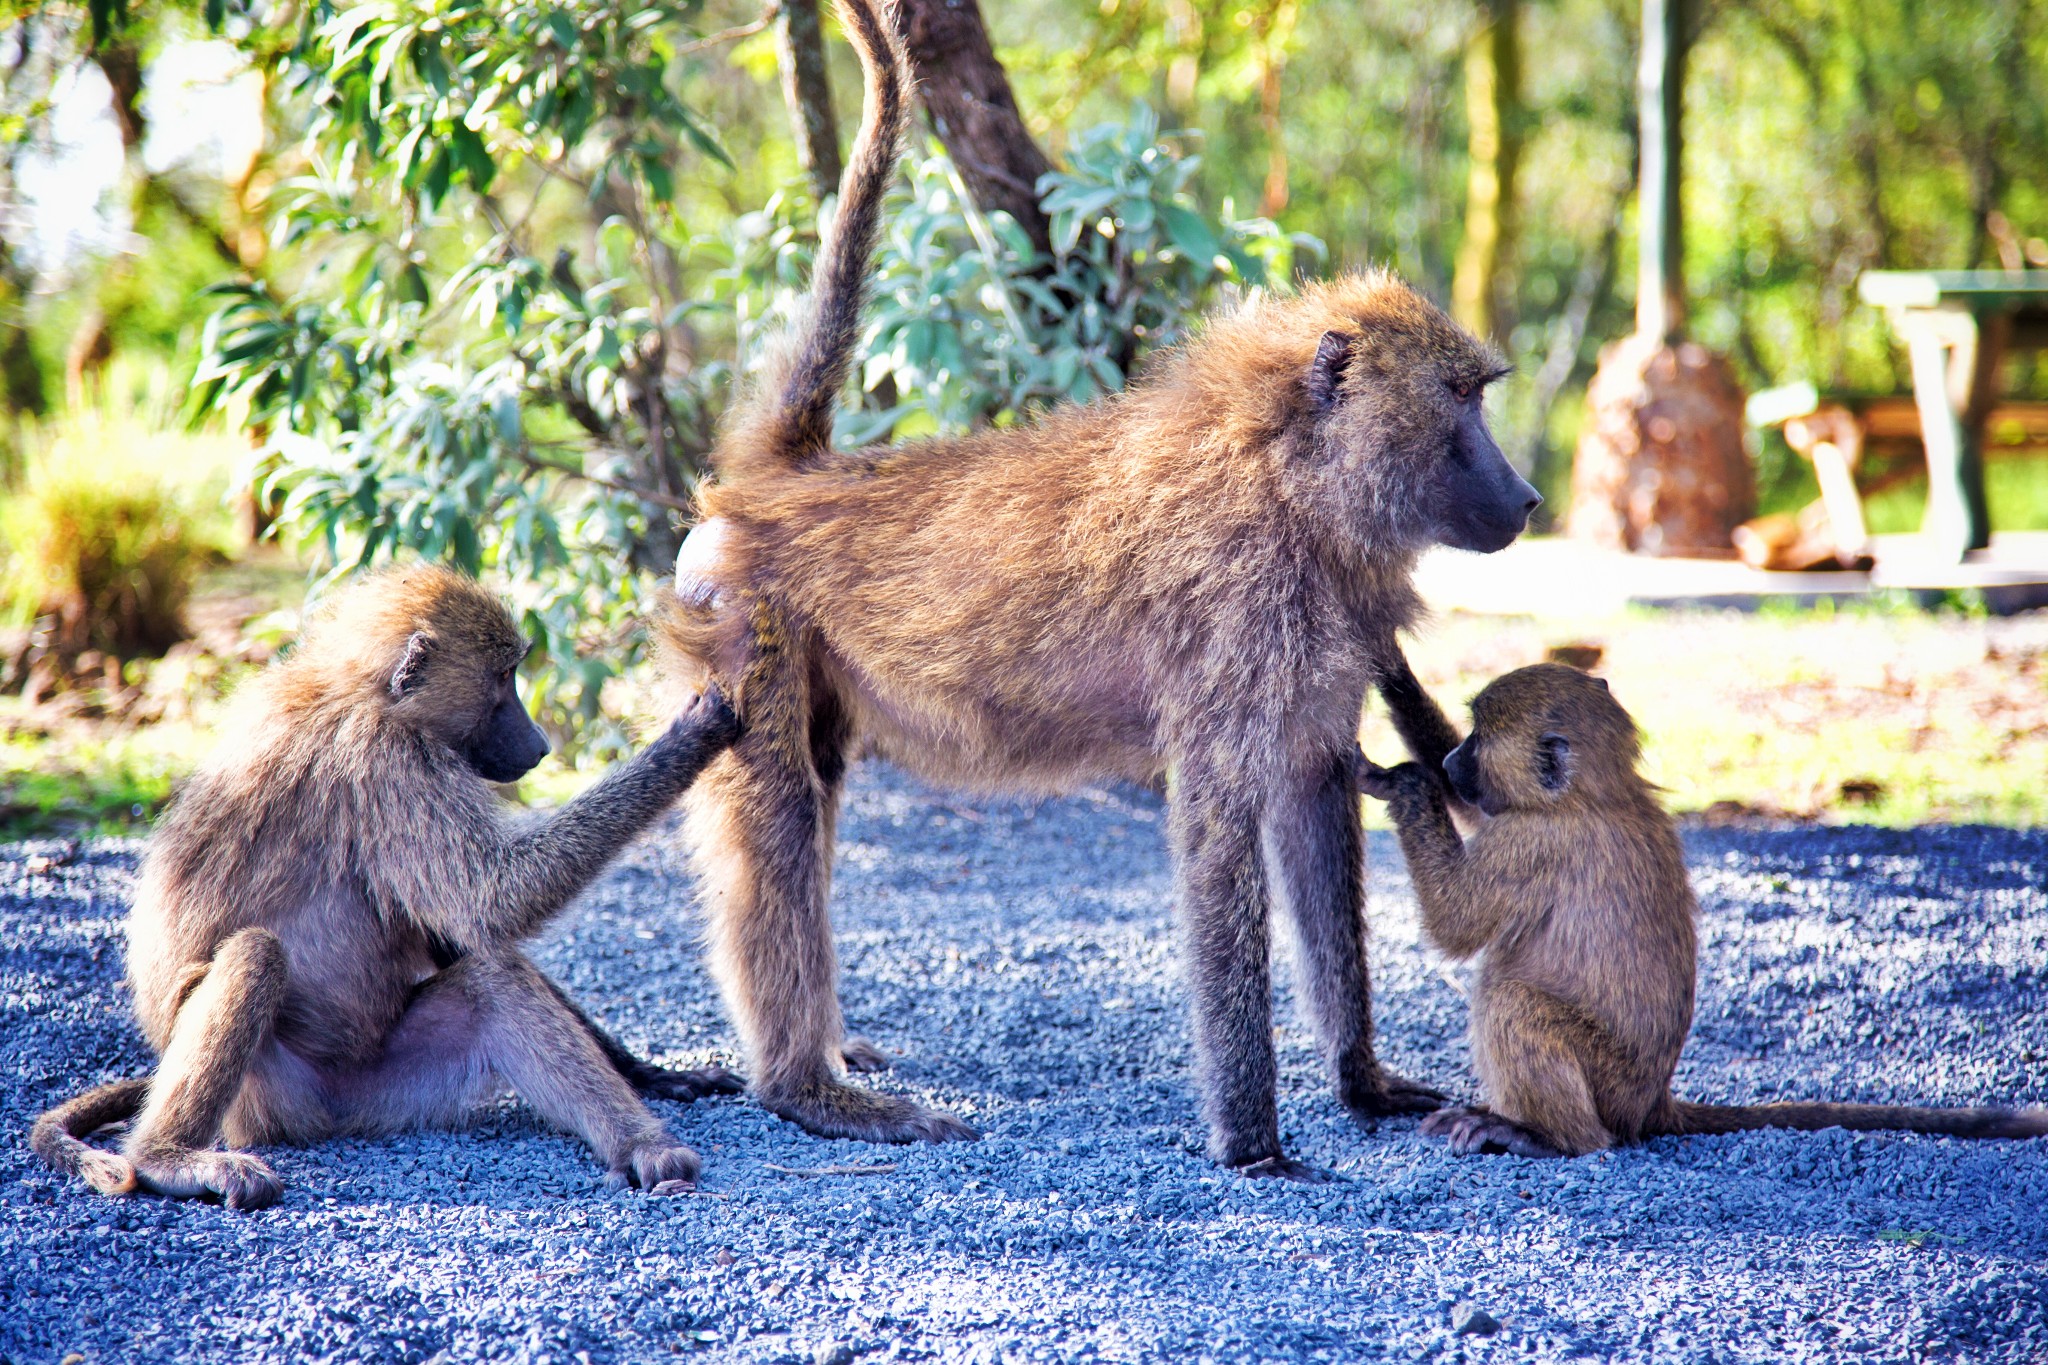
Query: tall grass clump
105	531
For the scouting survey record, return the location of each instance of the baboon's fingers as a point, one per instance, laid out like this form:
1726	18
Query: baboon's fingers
662	1083
1370	778
859	1054
850	1111
1286	1168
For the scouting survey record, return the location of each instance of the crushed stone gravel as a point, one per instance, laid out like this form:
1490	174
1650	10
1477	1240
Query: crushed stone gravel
1020	961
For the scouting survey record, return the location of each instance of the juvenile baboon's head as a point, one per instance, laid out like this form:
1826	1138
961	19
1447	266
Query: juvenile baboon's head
1541	736
439	654
1394	391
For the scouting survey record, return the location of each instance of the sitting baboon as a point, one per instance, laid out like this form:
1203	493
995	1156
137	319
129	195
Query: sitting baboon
1574	896
1195	580
325	933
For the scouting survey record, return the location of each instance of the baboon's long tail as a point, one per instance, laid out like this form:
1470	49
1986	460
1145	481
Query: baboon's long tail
787	422
58	1136
1968	1123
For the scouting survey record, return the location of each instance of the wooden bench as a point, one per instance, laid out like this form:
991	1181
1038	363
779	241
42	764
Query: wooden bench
1859	444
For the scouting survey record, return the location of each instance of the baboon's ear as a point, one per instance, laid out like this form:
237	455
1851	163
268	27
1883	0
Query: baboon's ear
1326	371
1603	684
1553	761
412	665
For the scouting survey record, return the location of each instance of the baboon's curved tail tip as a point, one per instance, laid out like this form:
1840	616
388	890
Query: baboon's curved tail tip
1867	1118
58	1137
786	422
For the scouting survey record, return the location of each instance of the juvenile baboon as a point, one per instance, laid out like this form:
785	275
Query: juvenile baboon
325	932
1197	580
1574	896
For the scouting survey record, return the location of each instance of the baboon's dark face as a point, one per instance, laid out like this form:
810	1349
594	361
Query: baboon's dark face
1461	766
1401	401
1540	735
507	744
1478	501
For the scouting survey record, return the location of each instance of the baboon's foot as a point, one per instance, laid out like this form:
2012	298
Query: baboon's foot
861	1055
1284	1168
1476	1131
659	1082
832	1110
660	1165
1382	1094
236	1179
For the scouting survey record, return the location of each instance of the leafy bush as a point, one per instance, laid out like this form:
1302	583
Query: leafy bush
517	422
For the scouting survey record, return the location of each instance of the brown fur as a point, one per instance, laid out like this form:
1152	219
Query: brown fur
325	933
1575	899
1194	581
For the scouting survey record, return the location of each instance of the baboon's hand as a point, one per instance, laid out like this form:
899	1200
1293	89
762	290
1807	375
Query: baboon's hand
1384	784
706	726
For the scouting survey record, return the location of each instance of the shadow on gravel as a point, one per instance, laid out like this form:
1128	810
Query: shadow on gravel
1019	960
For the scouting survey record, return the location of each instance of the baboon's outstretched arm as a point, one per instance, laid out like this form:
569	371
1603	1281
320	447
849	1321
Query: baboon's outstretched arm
1463	903
491	885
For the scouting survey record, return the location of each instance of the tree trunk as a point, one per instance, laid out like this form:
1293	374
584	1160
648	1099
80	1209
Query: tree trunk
1493	78
967	97
1660	276
800	46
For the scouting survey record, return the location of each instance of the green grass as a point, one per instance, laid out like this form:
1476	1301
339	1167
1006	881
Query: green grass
80	780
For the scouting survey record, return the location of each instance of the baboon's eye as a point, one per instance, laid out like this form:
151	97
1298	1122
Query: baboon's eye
1463	390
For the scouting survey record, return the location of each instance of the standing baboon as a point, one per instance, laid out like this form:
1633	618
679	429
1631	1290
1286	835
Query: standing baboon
325	933
1197	579
1576	895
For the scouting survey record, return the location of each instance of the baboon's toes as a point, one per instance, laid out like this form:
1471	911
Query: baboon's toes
1393	1095
861	1055
1285	1168
660	1167
691	1084
851	1111
241	1181
1474	1132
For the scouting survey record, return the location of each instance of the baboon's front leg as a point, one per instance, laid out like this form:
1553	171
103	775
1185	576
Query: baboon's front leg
1318	853
1213	826
647	1078
220	1026
759	821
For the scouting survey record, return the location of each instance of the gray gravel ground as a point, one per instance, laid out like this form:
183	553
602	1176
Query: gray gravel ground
1020	959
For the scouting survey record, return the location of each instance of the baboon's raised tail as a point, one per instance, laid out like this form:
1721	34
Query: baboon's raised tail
786	422
59	1135
1863	1118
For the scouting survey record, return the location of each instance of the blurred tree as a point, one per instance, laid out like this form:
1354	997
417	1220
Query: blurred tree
1493	97
1662	466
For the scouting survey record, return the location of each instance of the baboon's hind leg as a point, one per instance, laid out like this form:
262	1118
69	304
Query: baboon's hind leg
495	1020
1532	1052
225	1019
759	822
1318	853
